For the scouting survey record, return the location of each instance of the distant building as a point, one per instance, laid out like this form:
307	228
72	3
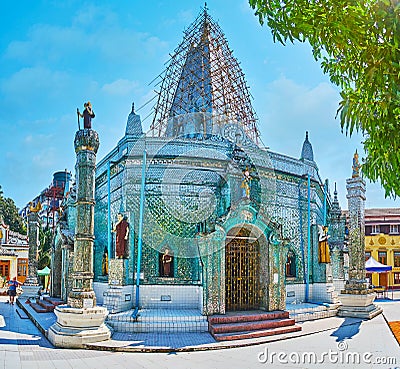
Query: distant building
382	242
13	254
50	199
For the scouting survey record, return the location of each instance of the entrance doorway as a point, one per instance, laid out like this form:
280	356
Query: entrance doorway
383	280
5	268
242	266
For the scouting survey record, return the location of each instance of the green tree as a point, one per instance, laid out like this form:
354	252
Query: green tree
357	43
9	213
45	239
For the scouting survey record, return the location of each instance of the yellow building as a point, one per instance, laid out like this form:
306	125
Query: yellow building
13	255
382	242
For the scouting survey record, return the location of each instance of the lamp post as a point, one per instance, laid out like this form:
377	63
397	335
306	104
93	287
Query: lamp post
141	212
109	212
308	236
109	236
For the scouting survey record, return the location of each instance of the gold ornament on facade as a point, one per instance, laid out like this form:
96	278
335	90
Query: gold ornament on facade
382	240
36	208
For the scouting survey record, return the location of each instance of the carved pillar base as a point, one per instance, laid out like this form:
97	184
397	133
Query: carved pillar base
358	305
76	327
82	299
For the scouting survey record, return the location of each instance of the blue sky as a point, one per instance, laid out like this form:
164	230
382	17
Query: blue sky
54	55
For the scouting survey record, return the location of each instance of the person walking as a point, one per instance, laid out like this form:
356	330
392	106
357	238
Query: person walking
12	289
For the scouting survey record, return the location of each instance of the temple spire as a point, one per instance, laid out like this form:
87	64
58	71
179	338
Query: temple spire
203	90
336	211
307	150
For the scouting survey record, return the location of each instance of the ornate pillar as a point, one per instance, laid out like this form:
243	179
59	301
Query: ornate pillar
356	298
336	240
31	286
81	321
356	204
33	240
86	146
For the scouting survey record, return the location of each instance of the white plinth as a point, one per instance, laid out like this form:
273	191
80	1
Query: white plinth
30	290
118	298
76	327
358	306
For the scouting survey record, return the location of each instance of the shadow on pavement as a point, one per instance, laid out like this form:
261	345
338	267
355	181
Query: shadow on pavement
349	328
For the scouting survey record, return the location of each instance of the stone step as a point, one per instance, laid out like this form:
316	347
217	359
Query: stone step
38	308
54	300
313	315
248	317
250	325
158	317
315	308
45	305
255	334
22	314
159	320
164	327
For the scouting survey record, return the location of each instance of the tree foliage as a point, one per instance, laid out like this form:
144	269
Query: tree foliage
9	213
45	240
357	43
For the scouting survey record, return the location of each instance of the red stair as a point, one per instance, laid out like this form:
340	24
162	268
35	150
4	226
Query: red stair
46	305
54	300
38	308
250	324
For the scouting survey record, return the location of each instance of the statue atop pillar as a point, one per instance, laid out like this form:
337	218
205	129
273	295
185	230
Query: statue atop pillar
81	320
356	166
87	115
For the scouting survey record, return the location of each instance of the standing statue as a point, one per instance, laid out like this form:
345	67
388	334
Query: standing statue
104	263
121	230
87	115
356	166
323	246
246	183
166	263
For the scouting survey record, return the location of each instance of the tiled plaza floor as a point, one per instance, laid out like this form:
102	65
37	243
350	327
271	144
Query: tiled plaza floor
23	346
162	342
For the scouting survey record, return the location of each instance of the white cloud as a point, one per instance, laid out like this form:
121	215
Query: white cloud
38	140
300	101
120	87
28	82
85	39
289	109
46	158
